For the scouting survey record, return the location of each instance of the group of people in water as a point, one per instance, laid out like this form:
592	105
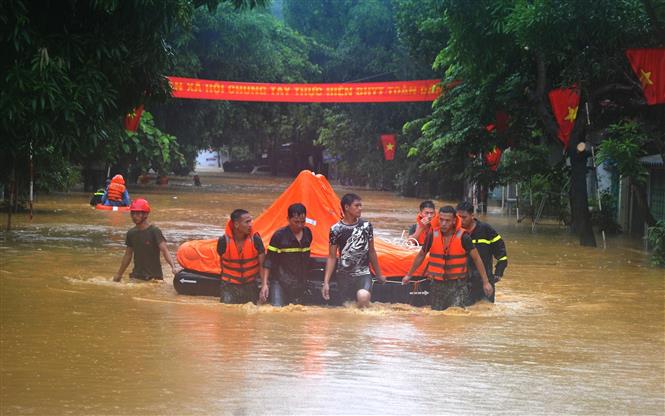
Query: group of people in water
461	250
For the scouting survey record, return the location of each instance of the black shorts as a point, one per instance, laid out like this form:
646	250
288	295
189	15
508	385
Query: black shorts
348	286
139	277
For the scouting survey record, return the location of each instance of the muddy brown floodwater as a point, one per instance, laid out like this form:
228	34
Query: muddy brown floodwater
574	331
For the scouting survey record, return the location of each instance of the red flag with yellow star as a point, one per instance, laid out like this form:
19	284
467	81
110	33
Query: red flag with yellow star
133	119
565	102
649	67
389	144
493	158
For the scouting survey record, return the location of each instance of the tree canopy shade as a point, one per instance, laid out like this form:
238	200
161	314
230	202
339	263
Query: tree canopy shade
510	54
72	70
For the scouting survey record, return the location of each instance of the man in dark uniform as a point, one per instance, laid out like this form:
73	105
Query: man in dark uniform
287	263
489	244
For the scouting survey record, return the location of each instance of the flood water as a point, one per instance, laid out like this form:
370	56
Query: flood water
574	331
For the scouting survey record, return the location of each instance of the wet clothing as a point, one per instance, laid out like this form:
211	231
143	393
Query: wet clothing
238	294
97	197
282	294
467	243
449	292
240	267
348	286
490	245
352	243
145	244
124	200
289	263
421	238
447	257
231	291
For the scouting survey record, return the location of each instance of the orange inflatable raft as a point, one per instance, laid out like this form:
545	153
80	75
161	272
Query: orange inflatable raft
201	262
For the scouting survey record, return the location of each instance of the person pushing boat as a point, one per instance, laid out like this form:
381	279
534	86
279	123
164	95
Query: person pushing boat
449	246
241	253
353	237
287	262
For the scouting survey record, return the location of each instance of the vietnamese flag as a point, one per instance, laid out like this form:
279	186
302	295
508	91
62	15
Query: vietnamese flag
133	119
493	158
389	144
565	102
649	67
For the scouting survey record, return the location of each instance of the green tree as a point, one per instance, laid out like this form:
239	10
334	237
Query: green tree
508	54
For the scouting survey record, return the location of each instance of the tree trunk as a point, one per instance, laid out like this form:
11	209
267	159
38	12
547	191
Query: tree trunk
579	198
642	203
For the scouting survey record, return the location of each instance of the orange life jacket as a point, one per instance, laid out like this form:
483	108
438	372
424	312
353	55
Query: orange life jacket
447	262
115	191
239	267
432	224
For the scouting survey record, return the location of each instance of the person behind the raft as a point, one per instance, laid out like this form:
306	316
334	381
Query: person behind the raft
145	242
116	194
241	254
287	262
423	225
449	245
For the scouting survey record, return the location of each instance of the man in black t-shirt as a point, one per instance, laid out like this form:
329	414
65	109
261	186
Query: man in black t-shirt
353	237
287	262
144	243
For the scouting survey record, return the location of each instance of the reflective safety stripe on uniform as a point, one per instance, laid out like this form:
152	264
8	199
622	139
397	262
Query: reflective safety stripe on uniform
288	250
484	241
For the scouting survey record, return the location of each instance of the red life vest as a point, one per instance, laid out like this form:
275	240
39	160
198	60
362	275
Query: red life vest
239	267
115	191
447	262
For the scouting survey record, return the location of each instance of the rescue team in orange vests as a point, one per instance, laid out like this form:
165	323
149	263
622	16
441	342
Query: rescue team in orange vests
116	194
449	247
144	243
244	273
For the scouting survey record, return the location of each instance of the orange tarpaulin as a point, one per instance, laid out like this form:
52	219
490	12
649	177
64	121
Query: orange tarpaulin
323	210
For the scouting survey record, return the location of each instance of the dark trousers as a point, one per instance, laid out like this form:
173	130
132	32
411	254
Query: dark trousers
282	294
447	293
238	294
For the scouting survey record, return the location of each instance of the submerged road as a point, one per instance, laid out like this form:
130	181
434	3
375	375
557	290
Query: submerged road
575	330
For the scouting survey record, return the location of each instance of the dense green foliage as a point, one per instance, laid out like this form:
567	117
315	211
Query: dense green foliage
72	70
508	54
657	242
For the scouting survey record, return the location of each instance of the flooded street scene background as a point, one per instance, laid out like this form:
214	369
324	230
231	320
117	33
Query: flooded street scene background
574	330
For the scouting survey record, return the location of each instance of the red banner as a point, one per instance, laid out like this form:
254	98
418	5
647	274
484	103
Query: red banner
649	67
389	143
565	102
133	119
367	92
